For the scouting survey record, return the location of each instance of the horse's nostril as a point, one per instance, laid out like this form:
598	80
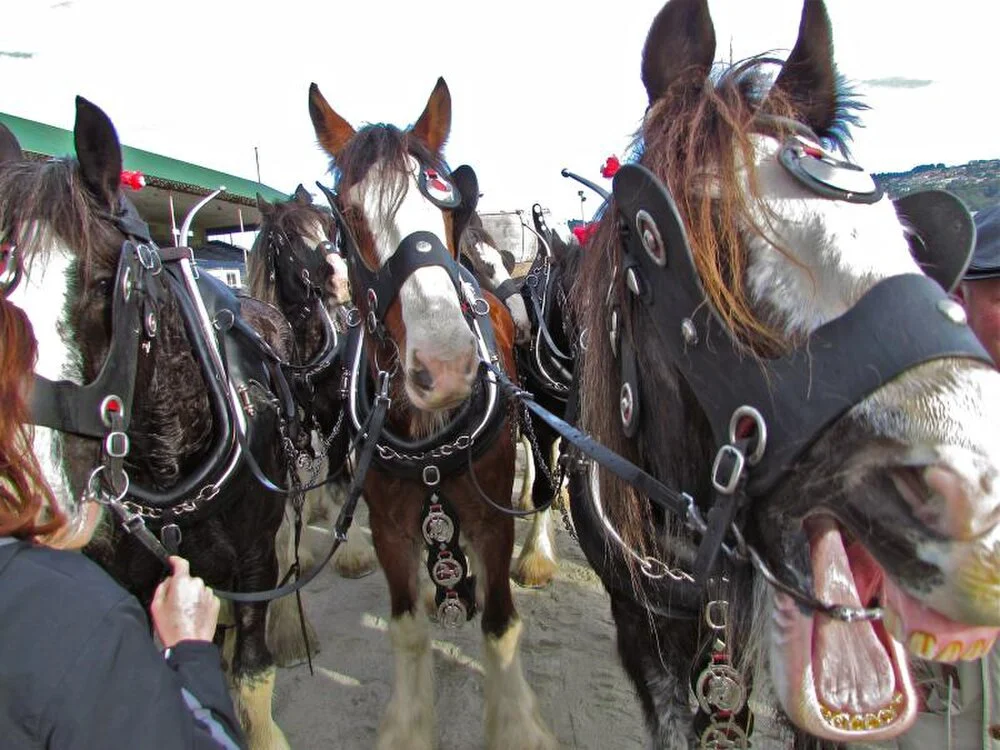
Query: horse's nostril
421	378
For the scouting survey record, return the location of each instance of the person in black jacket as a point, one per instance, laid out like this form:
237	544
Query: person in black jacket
78	667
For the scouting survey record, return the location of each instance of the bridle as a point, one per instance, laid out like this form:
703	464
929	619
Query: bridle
298	271
102	409
763	420
472	427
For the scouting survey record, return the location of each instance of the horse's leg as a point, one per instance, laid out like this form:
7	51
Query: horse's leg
409	718
284	630
536	566
512	718
356	557
655	661
528	476
252	667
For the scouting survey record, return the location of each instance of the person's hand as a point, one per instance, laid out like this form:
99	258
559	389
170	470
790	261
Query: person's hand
184	608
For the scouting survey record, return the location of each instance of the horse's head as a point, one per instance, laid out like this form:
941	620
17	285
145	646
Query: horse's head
897	502
394	193
71	222
295	260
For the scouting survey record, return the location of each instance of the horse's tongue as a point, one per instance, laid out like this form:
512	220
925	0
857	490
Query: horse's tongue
851	668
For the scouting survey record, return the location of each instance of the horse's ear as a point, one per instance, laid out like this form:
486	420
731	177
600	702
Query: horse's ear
10	149
809	77
680	43
264	206
98	150
434	124
302	196
464	178
332	130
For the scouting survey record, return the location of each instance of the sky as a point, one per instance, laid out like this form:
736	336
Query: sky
536	85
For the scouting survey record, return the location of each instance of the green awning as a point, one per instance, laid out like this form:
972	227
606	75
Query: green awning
172	186
160	171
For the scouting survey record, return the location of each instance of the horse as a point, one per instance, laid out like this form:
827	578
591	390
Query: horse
743	294
536	565
294	265
143	422
444	464
545	364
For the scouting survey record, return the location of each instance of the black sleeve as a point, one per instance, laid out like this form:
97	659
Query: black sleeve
121	693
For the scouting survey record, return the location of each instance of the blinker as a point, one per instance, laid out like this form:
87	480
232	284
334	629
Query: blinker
438	189
825	174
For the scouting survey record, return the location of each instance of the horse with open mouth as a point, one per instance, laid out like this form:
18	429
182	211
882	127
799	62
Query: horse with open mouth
761	334
134	407
444	462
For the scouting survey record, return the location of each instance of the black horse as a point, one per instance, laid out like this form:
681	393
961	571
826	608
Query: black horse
296	265
178	364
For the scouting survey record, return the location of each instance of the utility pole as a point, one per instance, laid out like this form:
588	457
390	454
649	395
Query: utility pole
256	157
583	199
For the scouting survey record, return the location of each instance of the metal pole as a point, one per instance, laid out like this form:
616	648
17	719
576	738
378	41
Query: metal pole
173	220
256	157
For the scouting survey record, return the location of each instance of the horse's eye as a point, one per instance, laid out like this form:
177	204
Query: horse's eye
325	248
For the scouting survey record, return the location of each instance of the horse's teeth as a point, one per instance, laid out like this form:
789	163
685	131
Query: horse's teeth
848	722
922	644
951	652
975	650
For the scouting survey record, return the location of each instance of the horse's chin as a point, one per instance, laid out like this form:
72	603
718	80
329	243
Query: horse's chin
851	682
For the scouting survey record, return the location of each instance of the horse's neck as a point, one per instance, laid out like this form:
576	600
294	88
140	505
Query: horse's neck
308	335
172	416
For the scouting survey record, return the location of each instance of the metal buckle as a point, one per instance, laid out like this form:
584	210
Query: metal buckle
752	414
728	486
116	444
431	475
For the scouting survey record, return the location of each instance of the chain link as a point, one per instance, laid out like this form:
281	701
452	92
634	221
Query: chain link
461	443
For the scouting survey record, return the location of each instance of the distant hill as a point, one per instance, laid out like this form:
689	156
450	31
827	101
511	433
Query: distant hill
977	183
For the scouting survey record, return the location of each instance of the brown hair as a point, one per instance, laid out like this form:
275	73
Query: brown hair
27	505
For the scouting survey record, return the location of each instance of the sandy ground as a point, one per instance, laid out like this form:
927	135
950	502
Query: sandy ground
568	654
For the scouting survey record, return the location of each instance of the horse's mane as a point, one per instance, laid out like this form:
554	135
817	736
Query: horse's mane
388	146
50	197
295	220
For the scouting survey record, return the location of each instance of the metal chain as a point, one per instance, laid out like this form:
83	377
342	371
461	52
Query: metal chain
461	443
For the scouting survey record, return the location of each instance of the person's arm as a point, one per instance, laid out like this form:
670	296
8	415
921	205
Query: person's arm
122	693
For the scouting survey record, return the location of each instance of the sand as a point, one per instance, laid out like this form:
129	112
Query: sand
568	653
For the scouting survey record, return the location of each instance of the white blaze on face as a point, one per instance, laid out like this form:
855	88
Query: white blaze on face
842	249
338	286
437	335
42	295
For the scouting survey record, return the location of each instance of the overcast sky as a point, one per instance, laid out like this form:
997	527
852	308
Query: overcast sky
535	86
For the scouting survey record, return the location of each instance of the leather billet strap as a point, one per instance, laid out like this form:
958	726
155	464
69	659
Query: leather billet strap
902	322
506	289
80	409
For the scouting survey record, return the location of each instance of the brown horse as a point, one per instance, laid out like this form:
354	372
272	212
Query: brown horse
448	434
741	231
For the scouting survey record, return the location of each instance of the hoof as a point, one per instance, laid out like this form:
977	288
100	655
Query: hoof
534	571
351	563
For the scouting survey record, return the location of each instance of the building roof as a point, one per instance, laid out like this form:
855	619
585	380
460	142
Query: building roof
165	177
